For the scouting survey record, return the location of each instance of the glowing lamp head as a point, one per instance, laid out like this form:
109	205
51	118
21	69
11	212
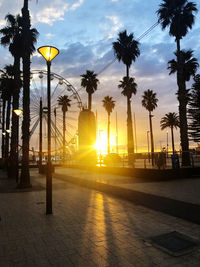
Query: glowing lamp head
18	112
48	52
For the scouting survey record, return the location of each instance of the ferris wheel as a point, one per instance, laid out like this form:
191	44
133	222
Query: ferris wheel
38	94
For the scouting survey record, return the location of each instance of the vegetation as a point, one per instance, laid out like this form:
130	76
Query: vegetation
64	102
179	17
126	50
170	120
108	104
149	101
194	110
89	81
11	37
6	86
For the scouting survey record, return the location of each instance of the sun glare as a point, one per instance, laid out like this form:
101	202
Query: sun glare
101	143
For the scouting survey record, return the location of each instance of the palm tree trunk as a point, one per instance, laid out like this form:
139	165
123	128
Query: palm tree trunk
182	109
89	101
15	121
127	71
130	132
108	133
151	135
25	175
7	128
172	134
64	131
130	141
3	129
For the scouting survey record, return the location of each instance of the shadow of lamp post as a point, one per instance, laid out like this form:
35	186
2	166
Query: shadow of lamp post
49	53
18	113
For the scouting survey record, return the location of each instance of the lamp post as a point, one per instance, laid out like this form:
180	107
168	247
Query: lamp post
49	53
18	113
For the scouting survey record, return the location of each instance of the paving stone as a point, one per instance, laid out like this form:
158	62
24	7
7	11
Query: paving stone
87	228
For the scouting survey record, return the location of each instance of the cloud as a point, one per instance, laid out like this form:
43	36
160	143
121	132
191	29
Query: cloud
50	14
2	23
56	11
112	25
76	5
49	35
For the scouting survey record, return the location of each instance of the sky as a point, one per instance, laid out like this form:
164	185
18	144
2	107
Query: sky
84	30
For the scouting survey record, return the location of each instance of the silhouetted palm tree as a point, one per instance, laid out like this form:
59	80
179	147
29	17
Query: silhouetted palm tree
170	120
189	68
190	64
3	97
29	37
89	81
11	37
178	15
194	110
129	88
149	101
7	85
64	102
126	50
108	104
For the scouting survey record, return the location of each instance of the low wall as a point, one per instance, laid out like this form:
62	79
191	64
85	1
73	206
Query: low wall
147	174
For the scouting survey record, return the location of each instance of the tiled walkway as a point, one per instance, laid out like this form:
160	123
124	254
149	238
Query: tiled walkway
87	228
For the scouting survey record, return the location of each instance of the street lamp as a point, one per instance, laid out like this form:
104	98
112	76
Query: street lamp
49	53
17	112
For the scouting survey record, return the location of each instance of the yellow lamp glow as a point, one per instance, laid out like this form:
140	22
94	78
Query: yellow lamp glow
18	112
8	131
4	133
48	52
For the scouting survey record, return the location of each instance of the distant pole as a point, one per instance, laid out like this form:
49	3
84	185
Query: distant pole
167	144
55	133
40	138
96	123
148	145
135	132
117	147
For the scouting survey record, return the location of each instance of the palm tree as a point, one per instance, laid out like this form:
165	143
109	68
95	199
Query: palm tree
3	97
179	17
11	37
194	110
189	68
149	101
129	88
7	85
29	37
170	120
126	50
89	81
108	104
190	64
64	102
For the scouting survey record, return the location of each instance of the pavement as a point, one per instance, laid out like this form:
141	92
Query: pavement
91	227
